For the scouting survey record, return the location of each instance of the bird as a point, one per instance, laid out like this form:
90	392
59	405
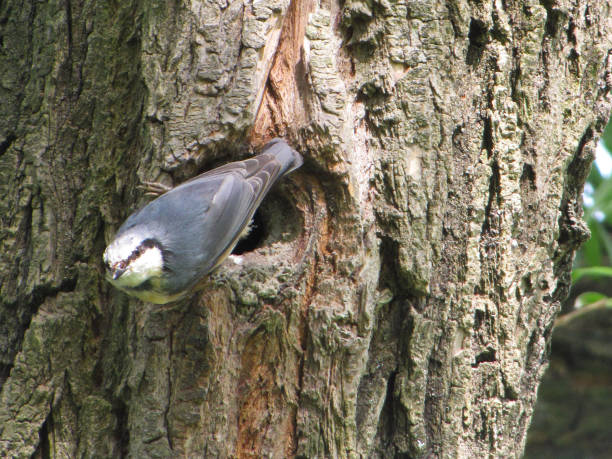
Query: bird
163	251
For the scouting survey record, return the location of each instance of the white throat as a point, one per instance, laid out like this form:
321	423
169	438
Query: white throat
146	266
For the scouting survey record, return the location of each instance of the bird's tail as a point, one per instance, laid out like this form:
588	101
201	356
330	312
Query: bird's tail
276	149
289	159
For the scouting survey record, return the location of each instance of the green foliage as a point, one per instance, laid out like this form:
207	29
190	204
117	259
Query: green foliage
594	259
591	298
606	137
598	214
594	271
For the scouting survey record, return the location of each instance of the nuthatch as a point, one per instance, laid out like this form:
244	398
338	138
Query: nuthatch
164	249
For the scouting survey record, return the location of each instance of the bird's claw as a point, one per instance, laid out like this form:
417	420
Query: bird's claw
154	188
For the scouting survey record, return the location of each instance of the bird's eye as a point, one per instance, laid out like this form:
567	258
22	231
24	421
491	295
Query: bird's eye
122	264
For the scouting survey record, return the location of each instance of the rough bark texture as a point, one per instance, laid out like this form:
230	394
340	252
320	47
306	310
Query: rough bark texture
402	293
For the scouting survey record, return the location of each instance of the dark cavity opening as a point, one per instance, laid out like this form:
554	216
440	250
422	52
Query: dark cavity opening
255	237
478	39
6	143
487	355
276	220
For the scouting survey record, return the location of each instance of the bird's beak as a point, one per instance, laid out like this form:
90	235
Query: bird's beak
117	273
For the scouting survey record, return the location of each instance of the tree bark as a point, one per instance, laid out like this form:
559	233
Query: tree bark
401	295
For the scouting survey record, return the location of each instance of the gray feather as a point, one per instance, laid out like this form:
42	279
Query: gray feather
201	220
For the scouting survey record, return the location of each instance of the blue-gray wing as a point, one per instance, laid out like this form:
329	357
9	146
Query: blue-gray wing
200	221
277	151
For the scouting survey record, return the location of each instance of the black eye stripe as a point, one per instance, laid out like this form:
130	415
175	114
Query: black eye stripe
149	243
144	245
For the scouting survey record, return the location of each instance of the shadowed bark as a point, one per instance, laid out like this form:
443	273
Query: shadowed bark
398	296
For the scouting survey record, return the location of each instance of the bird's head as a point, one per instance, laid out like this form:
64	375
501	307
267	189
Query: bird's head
132	259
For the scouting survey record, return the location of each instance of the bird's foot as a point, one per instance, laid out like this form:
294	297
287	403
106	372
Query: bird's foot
154	188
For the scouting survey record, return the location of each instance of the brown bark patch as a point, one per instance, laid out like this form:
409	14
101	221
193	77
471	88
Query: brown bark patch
261	398
282	107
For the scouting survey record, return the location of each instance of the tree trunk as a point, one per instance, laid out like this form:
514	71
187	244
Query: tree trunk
401	293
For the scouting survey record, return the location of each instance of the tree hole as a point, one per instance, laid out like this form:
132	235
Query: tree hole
277	220
256	236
